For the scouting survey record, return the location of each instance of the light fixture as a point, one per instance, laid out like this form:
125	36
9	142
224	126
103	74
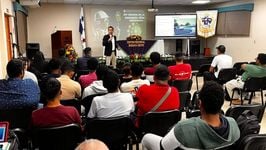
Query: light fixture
201	1
152	9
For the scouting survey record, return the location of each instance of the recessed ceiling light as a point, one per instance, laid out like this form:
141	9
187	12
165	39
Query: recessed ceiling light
201	2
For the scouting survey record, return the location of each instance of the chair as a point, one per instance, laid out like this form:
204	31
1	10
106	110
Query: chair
193	113
159	123
184	100
202	69
86	102
72	102
182	85
254	142
237	66
114	132
251	85
55	138
236	111
226	75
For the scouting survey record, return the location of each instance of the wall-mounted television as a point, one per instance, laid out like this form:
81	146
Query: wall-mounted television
176	25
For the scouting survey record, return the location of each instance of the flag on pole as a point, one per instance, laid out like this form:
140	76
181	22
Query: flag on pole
82	29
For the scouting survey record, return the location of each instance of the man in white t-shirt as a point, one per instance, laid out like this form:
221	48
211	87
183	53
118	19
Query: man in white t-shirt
221	61
114	103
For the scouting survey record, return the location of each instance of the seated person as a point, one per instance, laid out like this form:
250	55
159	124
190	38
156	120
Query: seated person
127	73
155	60
180	71
70	88
16	93
28	74
54	114
149	96
86	80
97	86
82	62
114	103
209	131
54	68
92	144
258	70
136	82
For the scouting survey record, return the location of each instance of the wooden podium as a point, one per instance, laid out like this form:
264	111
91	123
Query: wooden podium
59	40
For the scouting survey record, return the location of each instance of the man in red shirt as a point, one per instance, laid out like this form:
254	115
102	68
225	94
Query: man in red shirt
54	114
149	96
180	71
155	60
86	80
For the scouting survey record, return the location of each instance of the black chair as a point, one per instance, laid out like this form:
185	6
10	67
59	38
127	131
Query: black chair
57	138
237	66
182	85
253	142
251	85
159	123
184	100
236	111
193	113
86	102
202	69
226	75
116	132
72	102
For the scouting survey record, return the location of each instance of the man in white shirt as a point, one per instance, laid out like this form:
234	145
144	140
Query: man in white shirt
114	103
221	61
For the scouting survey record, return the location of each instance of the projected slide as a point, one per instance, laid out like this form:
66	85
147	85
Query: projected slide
175	25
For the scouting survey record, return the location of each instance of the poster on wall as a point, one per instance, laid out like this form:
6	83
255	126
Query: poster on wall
206	23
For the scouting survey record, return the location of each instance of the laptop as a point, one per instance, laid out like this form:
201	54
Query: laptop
4	126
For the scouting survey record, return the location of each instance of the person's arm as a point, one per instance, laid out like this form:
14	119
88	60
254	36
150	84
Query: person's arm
106	40
211	69
213	65
78	90
169	141
93	110
243	66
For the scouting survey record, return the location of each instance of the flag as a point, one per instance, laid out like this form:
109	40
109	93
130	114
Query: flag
82	29
206	23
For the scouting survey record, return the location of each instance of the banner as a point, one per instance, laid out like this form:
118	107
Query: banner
206	23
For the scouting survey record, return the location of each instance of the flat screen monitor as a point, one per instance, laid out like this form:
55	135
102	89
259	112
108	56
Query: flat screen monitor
175	25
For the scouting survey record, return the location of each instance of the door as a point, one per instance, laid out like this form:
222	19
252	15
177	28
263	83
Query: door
8	37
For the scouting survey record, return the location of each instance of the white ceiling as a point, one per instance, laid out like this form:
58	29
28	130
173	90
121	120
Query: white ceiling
129	2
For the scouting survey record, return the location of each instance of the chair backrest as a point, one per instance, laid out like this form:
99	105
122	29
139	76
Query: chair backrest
182	85
236	111
113	132
254	84
193	113
237	66
203	68
254	142
17	118
64	137
159	123
184	100
226	74
86	102
72	102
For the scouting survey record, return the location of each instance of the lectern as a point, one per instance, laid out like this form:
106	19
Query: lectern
59	40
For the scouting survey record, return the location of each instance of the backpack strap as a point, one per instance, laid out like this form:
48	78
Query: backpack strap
161	100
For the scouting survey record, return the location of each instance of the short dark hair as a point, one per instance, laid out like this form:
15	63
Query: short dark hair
136	69
62	52
14	68
111	27
179	56
92	63
221	49
87	50
126	69
66	67
53	64
111	81
101	71
161	73
212	97
51	88
155	58
262	58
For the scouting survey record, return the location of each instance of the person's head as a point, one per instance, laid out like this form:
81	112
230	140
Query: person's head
136	69
101	71
220	49
261	59
155	58
26	62
161	75
52	90
110	30
126	69
179	57
92	144
211	98
111	81
54	66
62	52
68	69
15	68
87	51
38	57
92	64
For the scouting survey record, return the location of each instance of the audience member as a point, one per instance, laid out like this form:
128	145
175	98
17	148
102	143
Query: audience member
70	88
82	62
92	144
132	86
62	56
27	74
38	64
86	80
114	103
155	60
97	86
127	72
209	131
16	93
54	114
54	68
221	61
180	71
258	70
149	96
